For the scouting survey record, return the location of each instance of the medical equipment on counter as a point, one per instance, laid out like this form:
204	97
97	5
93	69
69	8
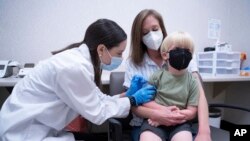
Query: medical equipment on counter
6	67
27	68
216	63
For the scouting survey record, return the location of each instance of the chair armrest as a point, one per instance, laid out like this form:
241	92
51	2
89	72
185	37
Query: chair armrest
114	122
114	130
230	106
221	134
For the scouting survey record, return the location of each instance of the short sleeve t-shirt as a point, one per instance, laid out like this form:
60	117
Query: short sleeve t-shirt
173	90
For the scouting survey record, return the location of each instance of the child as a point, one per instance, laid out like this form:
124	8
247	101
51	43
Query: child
175	87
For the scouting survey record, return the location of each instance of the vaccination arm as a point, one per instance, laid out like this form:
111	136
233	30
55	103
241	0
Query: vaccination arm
203	129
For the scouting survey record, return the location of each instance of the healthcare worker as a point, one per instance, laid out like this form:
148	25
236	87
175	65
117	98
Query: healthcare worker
66	85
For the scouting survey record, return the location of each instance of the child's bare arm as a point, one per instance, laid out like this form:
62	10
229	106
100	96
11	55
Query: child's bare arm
153	105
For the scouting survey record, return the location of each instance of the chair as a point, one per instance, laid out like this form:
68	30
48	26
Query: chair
119	127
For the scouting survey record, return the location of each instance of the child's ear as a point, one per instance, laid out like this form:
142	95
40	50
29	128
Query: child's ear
165	55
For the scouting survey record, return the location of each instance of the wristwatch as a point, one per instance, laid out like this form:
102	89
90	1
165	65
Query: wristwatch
132	101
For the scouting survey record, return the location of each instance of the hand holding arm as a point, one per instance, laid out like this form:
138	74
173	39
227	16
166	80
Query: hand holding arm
137	83
144	95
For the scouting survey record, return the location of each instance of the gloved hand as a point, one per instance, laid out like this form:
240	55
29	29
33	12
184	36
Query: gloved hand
136	83
144	95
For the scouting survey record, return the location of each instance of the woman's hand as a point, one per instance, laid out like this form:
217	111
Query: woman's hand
168	116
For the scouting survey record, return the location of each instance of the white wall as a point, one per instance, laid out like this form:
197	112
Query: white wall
239	12
31	29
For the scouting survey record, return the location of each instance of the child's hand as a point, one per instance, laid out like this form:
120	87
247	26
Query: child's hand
174	109
153	123
177	112
170	109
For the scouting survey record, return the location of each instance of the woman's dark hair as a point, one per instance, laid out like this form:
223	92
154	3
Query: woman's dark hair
102	31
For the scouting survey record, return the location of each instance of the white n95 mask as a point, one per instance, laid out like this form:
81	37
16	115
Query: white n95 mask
153	39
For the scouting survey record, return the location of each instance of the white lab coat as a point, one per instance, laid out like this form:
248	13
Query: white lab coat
52	95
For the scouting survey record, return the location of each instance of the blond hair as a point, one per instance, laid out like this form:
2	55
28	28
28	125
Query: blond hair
178	39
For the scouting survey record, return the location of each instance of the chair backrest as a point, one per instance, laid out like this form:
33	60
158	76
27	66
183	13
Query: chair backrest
116	83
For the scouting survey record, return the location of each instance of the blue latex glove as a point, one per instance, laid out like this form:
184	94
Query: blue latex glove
144	95
137	83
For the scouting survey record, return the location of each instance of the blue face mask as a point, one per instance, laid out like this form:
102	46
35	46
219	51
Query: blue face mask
115	63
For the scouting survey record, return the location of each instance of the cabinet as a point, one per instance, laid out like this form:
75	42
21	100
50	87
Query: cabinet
219	63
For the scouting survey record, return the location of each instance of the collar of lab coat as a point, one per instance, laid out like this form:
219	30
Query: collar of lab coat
85	51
